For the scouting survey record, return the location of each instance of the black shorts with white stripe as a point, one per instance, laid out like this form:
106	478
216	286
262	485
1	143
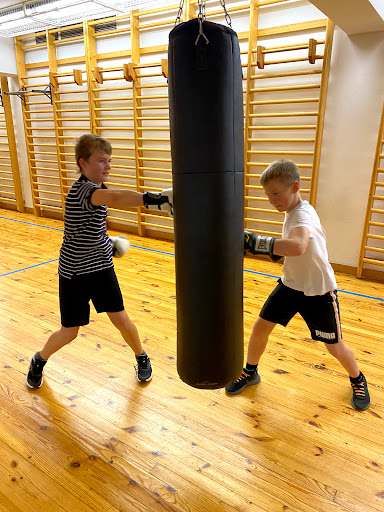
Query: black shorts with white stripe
320	312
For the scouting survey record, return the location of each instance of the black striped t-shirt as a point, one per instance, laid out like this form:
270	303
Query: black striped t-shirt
86	247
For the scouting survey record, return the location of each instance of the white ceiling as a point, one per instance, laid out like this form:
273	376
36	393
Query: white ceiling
7	3
352	16
37	15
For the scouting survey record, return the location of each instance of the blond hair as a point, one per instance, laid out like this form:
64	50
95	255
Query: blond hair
284	170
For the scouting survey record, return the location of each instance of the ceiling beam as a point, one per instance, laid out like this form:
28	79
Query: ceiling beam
352	16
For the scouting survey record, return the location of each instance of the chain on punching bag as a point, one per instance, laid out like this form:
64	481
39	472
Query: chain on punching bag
207	144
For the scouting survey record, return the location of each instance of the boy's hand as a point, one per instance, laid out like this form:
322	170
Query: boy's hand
160	200
120	245
258	244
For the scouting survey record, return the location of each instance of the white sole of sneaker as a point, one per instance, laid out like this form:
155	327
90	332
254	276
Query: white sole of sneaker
147	380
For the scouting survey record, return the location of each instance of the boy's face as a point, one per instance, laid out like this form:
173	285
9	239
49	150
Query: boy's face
283	197
97	167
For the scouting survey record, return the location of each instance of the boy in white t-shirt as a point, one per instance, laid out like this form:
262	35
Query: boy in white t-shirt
308	285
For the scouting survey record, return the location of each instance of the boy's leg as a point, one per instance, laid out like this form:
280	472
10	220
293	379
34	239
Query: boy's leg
58	340
130	334
127	329
256	347
258	340
360	399
280	307
55	342
345	356
321	313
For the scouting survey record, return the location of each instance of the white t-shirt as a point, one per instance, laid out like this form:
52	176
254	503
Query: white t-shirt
311	272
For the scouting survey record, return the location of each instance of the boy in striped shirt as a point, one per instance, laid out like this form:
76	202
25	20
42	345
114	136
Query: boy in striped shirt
86	269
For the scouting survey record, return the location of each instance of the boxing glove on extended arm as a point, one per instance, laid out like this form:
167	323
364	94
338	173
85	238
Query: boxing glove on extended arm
258	244
160	200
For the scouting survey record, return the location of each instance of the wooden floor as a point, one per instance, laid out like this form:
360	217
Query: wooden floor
93	439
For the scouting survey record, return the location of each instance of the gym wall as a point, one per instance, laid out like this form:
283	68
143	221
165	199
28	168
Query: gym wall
336	165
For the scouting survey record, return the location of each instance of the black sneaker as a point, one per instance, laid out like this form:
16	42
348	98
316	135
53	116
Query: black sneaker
143	368
360	399
35	373
244	380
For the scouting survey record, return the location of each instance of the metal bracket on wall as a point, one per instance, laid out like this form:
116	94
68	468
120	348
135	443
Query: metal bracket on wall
47	91
20	93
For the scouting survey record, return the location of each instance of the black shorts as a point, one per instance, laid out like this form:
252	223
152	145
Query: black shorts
320	312
102	288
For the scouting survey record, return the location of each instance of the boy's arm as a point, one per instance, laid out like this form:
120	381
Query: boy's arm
120	199
124	199
295	244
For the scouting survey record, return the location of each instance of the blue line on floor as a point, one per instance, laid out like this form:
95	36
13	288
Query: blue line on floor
152	250
361	295
261	273
169	254
27	268
339	290
32	224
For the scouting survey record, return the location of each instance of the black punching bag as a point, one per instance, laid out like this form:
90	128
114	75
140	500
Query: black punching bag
207	144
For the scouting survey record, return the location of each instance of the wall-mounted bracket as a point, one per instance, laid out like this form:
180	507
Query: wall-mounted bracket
78	76
260	57
98	74
130	72
20	93
47	91
312	51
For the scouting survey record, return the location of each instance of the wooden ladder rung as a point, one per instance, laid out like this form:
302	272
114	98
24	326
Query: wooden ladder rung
285	101
285	88
151	178
375	237
372	261
154	159
284	127
284	114
49	207
264	221
125	176
278	152
262	210
374	249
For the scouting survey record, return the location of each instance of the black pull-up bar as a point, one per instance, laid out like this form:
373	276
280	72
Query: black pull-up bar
21	92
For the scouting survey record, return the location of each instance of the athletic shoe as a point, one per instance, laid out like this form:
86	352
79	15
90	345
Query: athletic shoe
35	373
360	399
244	380
143	368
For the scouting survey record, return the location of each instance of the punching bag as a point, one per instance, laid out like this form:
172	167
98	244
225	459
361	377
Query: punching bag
207	146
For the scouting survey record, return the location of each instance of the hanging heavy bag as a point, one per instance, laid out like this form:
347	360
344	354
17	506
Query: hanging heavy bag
207	144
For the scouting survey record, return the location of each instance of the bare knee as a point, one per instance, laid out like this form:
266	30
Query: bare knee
337	349
69	333
120	320
262	327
